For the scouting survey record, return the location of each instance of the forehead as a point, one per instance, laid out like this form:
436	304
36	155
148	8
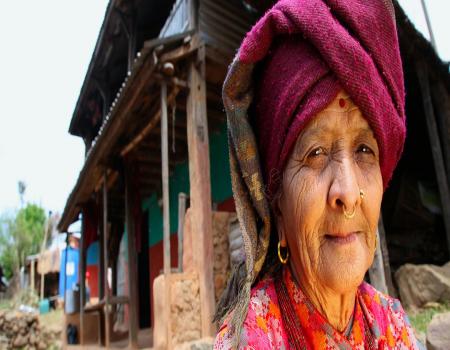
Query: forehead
340	117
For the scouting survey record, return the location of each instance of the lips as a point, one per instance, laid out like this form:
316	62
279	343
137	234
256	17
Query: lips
344	238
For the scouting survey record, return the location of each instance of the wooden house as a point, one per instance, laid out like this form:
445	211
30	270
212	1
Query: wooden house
151	116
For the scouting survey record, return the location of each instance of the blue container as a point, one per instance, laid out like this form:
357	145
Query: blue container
68	272
44	306
72	303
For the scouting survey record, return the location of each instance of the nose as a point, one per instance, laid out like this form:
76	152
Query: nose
344	192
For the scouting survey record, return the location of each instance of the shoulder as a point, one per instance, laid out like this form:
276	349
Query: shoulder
262	328
388	318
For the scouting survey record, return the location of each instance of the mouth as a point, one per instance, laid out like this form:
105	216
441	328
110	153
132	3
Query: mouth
341	238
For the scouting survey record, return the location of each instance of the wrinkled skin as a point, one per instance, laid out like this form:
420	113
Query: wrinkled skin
335	156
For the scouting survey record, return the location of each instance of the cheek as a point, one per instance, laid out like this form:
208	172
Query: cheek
371	204
303	207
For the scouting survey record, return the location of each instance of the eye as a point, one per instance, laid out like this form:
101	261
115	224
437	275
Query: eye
319	151
365	149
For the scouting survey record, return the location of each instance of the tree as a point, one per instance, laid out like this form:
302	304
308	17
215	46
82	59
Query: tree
21	236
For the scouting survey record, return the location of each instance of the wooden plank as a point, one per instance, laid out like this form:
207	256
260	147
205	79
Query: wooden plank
132	263
200	193
104	244
442	179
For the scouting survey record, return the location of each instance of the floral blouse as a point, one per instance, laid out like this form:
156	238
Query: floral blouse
378	322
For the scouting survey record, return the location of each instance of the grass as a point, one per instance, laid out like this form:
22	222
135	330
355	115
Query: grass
420	319
54	318
5	304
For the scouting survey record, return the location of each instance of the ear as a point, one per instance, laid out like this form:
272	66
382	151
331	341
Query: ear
279	220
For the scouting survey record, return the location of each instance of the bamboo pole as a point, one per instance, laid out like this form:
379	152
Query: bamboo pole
430	29
165	177
181	215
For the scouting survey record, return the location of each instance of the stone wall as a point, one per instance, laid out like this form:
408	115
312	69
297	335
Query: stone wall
23	331
185	308
221	228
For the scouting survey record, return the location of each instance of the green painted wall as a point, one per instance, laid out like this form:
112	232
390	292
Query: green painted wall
179	182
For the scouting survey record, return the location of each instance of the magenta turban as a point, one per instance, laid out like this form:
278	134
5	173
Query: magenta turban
289	67
310	49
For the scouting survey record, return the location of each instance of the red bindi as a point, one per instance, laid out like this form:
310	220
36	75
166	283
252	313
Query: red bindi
342	102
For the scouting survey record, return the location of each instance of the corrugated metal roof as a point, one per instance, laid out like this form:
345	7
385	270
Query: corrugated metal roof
224	23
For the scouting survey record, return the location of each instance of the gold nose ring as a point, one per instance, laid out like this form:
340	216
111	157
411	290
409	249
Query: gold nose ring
361	194
348	215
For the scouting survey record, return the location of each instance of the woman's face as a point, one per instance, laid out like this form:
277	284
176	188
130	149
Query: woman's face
334	158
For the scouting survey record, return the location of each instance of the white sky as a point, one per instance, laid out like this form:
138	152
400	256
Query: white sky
46	47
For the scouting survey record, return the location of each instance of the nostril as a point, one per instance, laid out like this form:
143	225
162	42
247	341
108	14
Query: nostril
339	202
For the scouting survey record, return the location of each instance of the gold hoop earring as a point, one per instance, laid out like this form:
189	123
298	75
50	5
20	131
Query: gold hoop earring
376	242
348	215
282	260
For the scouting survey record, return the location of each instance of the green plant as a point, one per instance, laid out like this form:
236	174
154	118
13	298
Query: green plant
422	317
20	235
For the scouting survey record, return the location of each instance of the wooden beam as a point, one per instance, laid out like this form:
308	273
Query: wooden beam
200	193
439	167
153	121
104	244
132	263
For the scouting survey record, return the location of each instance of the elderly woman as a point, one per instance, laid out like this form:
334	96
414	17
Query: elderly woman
315	108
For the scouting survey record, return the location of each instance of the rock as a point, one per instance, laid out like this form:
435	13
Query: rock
20	341
431	305
201	344
420	284
438	332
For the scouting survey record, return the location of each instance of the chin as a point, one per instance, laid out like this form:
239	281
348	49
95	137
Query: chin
343	270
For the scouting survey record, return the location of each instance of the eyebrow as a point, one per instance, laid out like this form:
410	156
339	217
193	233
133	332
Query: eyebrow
318	132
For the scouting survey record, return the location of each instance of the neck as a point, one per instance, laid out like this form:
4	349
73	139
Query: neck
337	308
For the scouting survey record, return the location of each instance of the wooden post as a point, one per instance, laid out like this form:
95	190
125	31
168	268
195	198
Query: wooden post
200	196
132	264
101	261
82	263
44	246
181	214
442	180
104	243
165	178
